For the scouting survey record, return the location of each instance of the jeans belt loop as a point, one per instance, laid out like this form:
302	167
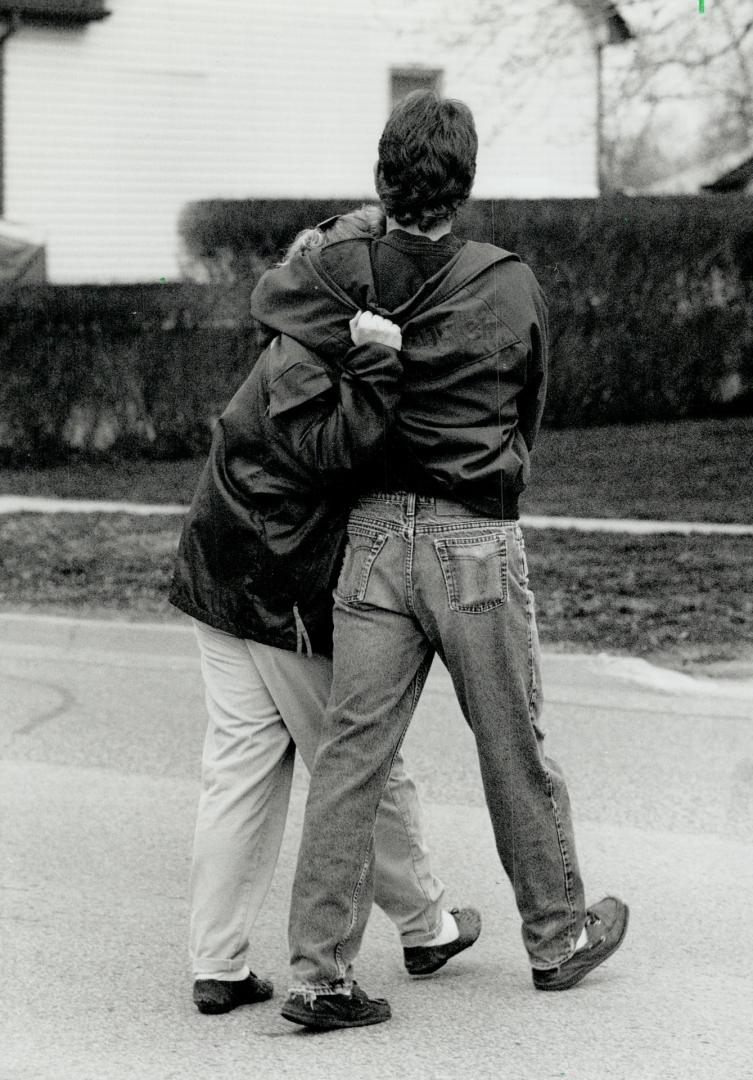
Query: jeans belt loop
410	511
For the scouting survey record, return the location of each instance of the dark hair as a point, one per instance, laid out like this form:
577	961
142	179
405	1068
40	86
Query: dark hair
427	159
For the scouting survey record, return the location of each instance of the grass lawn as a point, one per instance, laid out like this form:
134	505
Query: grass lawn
683	601
694	470
690	471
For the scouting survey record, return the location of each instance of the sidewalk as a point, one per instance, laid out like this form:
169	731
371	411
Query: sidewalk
20	504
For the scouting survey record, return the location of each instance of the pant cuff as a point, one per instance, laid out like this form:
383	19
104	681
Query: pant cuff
310	992
414	939
208	969
539	964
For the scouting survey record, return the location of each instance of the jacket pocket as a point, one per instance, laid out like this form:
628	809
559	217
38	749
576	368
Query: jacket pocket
475	572
360	555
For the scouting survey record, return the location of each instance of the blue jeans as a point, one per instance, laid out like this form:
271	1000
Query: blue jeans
424	576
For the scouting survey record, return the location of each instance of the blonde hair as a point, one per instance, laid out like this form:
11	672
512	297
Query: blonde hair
366	222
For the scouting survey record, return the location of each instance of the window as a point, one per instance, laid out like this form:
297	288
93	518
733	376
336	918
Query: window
404	80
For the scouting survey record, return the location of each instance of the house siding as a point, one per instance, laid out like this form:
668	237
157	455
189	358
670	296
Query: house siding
112	129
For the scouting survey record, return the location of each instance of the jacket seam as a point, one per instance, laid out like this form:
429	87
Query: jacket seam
504	322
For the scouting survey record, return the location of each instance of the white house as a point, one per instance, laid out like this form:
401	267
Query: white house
116	113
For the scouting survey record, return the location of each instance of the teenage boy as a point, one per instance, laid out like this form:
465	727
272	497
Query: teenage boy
435	563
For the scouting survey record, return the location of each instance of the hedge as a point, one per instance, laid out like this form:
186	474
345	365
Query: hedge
650	298
129	370
651	318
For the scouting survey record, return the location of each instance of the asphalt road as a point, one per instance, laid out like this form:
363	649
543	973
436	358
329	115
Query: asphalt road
100	729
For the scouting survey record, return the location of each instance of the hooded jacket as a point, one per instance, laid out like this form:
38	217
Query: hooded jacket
474	354
262	542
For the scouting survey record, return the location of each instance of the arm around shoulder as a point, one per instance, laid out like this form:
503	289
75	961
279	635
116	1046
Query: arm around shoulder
336	419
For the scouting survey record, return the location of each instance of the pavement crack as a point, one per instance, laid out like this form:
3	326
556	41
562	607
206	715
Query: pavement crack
66	701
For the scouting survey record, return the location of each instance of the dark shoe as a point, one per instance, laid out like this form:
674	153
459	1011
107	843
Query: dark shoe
606	926
329	1011
424	959
220	996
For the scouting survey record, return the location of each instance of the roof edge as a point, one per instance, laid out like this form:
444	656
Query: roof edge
607	13
61	14
736	179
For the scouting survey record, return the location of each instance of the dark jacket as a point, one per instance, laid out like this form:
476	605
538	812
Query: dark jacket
262	542
474	355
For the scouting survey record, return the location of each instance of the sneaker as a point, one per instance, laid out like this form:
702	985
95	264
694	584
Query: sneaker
606	926
425	959
329	1011
220	995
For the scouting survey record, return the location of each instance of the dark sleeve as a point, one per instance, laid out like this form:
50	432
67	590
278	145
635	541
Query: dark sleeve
532	398
337	422
356	429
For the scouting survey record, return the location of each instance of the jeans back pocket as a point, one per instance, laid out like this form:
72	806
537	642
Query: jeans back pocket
360	553
474	570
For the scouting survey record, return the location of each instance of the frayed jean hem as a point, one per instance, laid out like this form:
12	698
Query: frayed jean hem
309	994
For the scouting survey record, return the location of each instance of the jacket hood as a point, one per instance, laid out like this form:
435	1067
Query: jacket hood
301	299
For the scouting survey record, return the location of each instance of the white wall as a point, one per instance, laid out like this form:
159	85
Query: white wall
111	129
106	138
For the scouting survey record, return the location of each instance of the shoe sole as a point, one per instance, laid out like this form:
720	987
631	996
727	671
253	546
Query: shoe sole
453	949
577	976
308	1019
429	969
210	1006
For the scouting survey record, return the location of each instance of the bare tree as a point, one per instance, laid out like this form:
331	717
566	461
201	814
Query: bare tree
689	67
684	79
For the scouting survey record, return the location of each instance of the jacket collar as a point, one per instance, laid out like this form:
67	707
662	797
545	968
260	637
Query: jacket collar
301	299
470	262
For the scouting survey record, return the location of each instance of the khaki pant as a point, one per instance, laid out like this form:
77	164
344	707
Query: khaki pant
262	703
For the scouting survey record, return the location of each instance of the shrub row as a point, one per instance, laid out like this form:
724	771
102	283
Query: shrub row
650	298
650	310
103	370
